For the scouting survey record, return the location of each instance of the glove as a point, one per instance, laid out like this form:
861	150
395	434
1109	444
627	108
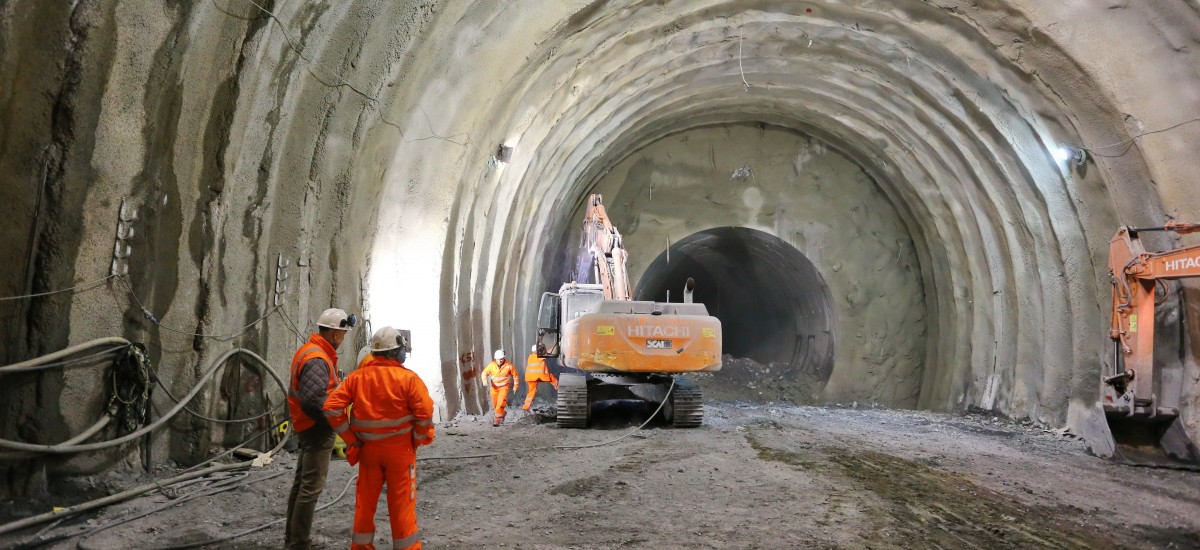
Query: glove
352	453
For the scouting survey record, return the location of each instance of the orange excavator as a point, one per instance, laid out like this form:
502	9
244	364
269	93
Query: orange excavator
626	349
1129	424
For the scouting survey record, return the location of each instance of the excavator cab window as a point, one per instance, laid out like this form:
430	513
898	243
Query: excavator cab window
548	325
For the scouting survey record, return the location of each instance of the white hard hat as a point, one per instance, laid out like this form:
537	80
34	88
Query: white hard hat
337	319
534	348
387	338
498	355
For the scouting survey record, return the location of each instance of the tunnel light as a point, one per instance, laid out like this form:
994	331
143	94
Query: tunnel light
1065	153
504	153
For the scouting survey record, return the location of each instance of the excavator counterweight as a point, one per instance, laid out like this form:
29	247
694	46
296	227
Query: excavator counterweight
1129	423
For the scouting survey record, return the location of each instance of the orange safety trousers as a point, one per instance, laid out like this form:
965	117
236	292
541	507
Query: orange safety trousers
499	401
532	391
390	462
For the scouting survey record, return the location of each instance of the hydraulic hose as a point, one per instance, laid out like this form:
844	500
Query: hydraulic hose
666	398
240	534
63	448
113	499
136	491
262	363
215	489
46	361
83	436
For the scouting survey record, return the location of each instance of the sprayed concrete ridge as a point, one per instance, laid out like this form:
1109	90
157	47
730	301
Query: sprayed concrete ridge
903	149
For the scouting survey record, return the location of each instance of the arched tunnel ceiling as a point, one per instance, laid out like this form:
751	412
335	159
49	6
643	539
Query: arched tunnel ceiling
356	139
945	132
946	123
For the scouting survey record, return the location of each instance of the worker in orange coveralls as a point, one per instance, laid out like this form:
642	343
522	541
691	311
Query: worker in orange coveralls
499	376
392	416
536	371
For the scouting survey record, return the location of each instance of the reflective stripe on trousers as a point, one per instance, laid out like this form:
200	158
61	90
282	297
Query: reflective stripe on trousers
363	538
407	541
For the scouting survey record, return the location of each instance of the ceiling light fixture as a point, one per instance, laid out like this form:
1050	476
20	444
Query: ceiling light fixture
1066	153
504	153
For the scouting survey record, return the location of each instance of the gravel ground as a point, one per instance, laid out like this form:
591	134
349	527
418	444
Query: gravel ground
754	476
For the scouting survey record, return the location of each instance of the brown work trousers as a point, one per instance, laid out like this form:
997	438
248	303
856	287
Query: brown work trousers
312	465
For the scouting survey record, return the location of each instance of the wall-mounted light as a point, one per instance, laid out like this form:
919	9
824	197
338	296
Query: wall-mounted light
504	153
1066	153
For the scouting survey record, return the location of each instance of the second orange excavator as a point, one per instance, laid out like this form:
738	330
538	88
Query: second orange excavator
626	349
1131	423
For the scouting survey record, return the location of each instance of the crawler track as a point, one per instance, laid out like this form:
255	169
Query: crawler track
687	405
573	406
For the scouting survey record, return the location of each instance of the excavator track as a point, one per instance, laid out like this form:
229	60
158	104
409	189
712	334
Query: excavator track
573	406
686	403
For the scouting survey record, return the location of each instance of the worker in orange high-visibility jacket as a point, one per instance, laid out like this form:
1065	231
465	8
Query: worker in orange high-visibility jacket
313	375
392	415
499	377
536	372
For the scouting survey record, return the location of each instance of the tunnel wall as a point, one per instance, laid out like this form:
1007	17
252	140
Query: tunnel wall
204	120
357	136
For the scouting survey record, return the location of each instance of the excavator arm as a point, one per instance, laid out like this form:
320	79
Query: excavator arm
1128	424
1136	274
607	250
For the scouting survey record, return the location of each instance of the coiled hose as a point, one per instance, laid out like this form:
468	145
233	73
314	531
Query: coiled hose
64	448
70	448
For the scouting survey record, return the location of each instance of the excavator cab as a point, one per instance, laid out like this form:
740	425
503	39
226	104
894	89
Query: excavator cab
548	326
571	302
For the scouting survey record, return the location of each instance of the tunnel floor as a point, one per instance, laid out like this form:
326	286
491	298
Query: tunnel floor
754	476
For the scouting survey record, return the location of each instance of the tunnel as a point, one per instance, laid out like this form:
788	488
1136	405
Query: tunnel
909	203
773	305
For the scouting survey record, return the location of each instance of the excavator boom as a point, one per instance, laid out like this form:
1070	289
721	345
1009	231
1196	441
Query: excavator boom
607	250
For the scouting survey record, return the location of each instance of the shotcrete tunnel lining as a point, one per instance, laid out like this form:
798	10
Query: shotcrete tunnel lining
773	304
955	104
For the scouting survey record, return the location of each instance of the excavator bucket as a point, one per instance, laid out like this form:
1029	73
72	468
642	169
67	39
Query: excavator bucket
1140	439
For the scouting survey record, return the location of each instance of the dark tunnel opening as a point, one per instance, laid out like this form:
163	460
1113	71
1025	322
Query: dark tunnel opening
773	304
